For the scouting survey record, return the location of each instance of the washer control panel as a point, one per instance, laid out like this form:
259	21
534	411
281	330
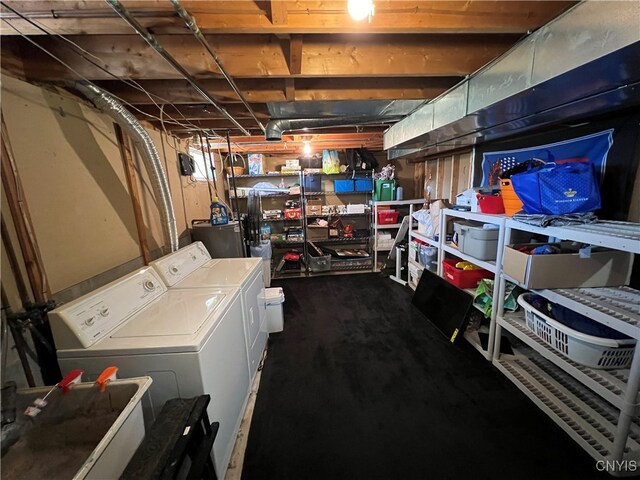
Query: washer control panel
177	266
86	320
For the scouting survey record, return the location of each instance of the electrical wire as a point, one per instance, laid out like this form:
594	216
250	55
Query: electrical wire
84	54
78	50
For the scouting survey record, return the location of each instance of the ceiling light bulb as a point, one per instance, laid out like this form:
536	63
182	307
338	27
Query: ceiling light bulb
307	148
360	9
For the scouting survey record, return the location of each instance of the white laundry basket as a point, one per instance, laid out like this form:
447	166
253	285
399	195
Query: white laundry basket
594	352
274	299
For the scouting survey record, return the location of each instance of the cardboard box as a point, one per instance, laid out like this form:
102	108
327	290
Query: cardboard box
292	213
356	208
314	207
316	232
603	268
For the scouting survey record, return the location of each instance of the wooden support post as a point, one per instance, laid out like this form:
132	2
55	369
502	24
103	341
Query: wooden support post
455	176
439	178
30	253
22	221
418	180
13	263
130	173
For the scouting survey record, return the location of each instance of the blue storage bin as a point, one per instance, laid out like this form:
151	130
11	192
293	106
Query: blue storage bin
364	184
313	183
341	186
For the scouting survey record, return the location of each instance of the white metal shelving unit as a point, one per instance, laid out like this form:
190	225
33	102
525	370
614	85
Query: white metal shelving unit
395	226
598	408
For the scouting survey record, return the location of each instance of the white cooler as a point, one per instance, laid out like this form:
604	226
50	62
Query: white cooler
274	299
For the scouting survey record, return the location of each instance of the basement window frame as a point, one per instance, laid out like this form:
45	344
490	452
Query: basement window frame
201	166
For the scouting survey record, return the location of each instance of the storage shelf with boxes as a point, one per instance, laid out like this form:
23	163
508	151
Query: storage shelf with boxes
576	343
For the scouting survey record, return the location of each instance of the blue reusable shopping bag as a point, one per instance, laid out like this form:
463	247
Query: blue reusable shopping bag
558	188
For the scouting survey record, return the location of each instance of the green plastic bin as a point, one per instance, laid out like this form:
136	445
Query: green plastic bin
384	191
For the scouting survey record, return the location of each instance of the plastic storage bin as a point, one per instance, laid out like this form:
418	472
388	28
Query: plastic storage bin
387	217
313	183
463	278
317	261
477	241
341	186
385	190
364	184
587	350
274	298
428	257
512	203
490	203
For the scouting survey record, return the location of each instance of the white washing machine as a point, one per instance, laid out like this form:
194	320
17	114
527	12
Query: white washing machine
192	267
190	341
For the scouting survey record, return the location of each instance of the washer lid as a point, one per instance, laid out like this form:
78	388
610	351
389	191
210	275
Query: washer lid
175	313
223	272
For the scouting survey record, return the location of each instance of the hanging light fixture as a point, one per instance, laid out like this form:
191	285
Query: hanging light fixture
360	9
306	149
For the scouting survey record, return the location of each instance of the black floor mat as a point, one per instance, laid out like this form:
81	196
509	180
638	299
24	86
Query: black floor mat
361	386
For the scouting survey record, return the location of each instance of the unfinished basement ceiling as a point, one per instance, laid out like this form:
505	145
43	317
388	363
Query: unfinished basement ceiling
278	53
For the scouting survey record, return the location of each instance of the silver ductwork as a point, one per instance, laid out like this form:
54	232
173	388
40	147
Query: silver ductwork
523	85
275	128
143	143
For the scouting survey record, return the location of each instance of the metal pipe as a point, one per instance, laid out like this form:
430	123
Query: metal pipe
235	194
144	144
150	39
18	340
190	21
275	128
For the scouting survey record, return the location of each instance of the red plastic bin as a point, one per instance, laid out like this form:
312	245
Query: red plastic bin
490	203
463	278
387	217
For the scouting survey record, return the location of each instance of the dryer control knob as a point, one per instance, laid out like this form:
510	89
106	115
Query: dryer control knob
104	311
149	286
90	321
174	269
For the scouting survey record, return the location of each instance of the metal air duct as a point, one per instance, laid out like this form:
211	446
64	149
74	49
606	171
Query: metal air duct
143	143
275	128
585	62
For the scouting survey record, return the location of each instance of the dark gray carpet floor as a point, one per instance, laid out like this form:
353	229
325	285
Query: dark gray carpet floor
361	386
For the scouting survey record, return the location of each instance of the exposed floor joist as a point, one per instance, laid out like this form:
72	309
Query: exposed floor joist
274	50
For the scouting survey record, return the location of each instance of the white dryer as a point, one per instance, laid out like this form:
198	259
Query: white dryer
192	267
191	342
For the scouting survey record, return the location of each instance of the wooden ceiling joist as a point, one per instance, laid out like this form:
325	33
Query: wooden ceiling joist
273	50
273	90
246	17
260	56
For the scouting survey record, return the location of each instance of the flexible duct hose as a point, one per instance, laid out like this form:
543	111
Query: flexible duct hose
143	143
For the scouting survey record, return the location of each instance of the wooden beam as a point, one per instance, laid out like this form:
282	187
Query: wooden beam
278	12
22	222
312	16
273	90
134	192
295	55
261	56
289	89
200	111
295	143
